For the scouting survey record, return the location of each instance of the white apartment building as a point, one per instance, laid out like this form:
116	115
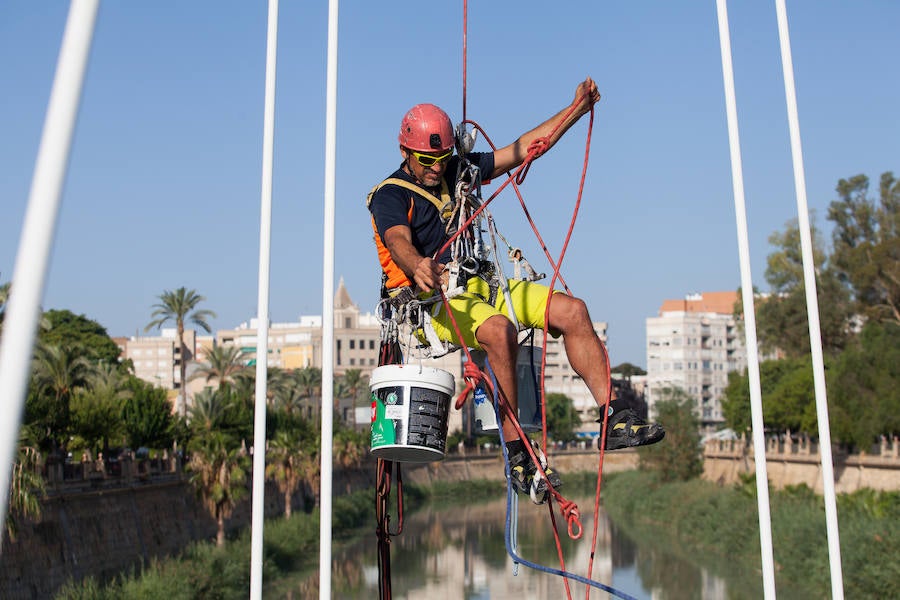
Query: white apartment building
692	345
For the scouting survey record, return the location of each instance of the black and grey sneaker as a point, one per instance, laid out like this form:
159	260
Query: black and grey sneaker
627	430
522	472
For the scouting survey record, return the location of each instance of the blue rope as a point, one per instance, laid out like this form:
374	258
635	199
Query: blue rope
510	494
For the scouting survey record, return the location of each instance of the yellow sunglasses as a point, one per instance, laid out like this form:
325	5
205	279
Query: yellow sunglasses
428	160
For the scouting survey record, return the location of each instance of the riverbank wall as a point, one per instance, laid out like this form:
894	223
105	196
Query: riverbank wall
101	524
797	460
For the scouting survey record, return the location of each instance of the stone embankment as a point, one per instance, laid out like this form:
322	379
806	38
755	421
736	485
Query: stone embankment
796	460
103	521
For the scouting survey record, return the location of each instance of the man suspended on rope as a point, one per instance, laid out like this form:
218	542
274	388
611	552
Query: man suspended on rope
410	229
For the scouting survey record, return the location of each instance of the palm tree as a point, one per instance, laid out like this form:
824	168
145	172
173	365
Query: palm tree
208	410
223	365
179	306
309	379
59	372
219	474
25	489
97	411
286	465
355	383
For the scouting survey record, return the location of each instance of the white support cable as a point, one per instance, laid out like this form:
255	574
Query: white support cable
262	332
759	441
32	261
812	307
328	309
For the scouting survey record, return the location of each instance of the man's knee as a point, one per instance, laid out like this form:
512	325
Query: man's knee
568	313
496	331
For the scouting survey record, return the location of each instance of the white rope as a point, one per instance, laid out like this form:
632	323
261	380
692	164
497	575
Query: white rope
759	441
812	307
262	333
32	260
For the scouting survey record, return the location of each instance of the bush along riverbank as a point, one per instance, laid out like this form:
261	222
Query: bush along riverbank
718	528
205	572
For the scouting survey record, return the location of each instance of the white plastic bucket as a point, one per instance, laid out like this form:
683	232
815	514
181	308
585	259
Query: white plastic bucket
528	376
410	407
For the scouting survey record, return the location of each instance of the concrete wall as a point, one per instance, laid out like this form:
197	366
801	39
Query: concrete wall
103	527
792	461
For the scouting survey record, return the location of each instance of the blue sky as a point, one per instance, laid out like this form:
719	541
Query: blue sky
163	187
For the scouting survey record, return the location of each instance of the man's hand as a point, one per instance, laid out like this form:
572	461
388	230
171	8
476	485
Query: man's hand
428	274
586	95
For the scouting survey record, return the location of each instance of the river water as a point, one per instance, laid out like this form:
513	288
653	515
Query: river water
459	552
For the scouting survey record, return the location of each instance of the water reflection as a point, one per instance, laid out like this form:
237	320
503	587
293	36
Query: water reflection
459	552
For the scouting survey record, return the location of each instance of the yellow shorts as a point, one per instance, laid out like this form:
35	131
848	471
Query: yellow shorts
471	309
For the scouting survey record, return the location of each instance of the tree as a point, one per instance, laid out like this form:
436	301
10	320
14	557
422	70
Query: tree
67	328
679	455
146	416
223	364
289	458
866	244
97	410
26	487
788	397
355	383
179	306
562	417
782	319
309	379
628	370
59	372
864	398
218	473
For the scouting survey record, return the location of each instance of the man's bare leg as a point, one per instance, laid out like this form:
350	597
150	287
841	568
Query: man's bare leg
589	359
498	337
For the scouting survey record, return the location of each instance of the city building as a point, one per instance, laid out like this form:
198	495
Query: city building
357	337
693	344
157	359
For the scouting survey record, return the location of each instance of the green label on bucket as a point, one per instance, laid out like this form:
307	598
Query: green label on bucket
387	423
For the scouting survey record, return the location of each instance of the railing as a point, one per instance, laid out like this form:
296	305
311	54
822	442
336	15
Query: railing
798	446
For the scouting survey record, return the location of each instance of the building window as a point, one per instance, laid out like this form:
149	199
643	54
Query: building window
352	344
352	362
371	344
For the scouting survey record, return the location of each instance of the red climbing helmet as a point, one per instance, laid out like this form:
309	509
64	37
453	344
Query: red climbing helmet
426	128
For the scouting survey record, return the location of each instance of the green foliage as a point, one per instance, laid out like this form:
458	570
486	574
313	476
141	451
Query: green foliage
58	373
26	487
866	241
720	527
782	323
627	370
788	397
147	416
178	307
678	456
562	417
864	396
68	329
223	365
97	410
218	473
